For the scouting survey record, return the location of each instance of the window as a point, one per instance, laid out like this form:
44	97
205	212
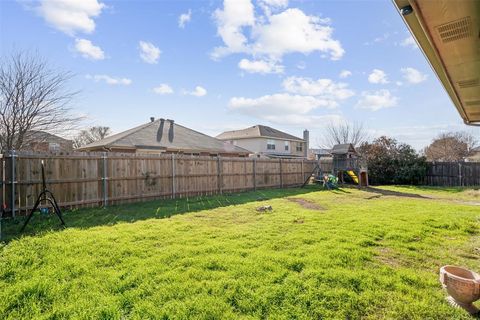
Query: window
299	147
270	144
287	145
54	147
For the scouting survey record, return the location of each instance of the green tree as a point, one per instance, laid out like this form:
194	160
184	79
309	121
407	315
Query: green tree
391	162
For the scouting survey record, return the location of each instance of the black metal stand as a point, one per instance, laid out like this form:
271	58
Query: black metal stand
45	196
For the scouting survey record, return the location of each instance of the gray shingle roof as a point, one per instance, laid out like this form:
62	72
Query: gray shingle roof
165	134
343	148
257	132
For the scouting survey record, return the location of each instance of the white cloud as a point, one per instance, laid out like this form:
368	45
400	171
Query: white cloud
294	31
378	76
310	121
163	89
345	74
409	42
198	92
275	3
271	36
324	88
260	66
184	19
88	50
235	15
109	80
70	16
413	76
376	100
148	52
283	104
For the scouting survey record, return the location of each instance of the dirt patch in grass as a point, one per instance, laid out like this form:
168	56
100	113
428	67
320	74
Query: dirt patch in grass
307	204
386	256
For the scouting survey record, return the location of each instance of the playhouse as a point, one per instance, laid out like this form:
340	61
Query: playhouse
347	161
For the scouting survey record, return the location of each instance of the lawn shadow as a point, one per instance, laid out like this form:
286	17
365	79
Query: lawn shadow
383	192
164	208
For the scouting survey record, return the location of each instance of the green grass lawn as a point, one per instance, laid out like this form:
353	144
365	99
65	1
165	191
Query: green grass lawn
351	255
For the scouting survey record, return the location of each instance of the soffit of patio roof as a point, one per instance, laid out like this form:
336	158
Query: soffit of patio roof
448	32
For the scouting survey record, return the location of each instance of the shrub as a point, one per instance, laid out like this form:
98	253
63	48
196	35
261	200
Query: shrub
391	162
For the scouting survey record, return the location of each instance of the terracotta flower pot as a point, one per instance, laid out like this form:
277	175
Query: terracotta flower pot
462	285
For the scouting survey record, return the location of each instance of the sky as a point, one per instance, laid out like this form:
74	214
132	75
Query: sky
224	65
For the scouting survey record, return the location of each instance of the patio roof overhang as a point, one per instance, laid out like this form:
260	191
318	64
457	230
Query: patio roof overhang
448	33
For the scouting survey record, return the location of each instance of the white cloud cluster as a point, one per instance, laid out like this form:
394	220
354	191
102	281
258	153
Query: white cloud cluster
345	74
325	88
378	76
88	50
184	19
109	80
271	36
149	52
199	91
413	76
70	16
376	100
260	66
409	42
294	107
163	89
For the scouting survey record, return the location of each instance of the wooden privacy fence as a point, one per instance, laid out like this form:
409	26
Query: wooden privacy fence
90	180
451	174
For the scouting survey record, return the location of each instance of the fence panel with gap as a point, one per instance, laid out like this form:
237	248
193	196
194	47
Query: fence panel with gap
95	179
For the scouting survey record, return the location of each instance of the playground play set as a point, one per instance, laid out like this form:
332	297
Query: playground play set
346	163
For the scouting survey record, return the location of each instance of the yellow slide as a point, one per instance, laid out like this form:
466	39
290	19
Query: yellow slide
353	176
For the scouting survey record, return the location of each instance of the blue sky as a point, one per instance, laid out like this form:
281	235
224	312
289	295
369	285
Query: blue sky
222	65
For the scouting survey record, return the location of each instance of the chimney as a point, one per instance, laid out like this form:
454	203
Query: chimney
171	132
306	138
152	119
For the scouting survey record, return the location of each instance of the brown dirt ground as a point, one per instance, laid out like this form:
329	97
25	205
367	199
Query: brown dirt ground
307	204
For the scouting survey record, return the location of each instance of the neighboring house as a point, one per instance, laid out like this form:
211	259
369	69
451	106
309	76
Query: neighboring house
165	136
475	155
265	141
317	154
41	141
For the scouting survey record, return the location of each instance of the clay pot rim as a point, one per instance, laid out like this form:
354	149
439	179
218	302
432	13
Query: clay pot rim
476	276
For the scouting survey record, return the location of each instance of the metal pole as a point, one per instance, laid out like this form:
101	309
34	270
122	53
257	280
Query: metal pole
12	182
104	178
254	174
173	176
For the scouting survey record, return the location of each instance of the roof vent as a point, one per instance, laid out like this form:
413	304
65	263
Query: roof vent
152	119
455	30
469	83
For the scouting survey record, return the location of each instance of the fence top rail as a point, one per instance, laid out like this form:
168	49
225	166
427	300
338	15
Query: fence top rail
143	156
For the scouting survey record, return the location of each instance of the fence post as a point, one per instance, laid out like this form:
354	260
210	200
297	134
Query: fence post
460	174
173	176
219	175
254	174
303	174
12	182
281	173
104	178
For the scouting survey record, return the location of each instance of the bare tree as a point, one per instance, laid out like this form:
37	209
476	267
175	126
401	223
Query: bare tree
451	146
33	97
90	135
344	132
